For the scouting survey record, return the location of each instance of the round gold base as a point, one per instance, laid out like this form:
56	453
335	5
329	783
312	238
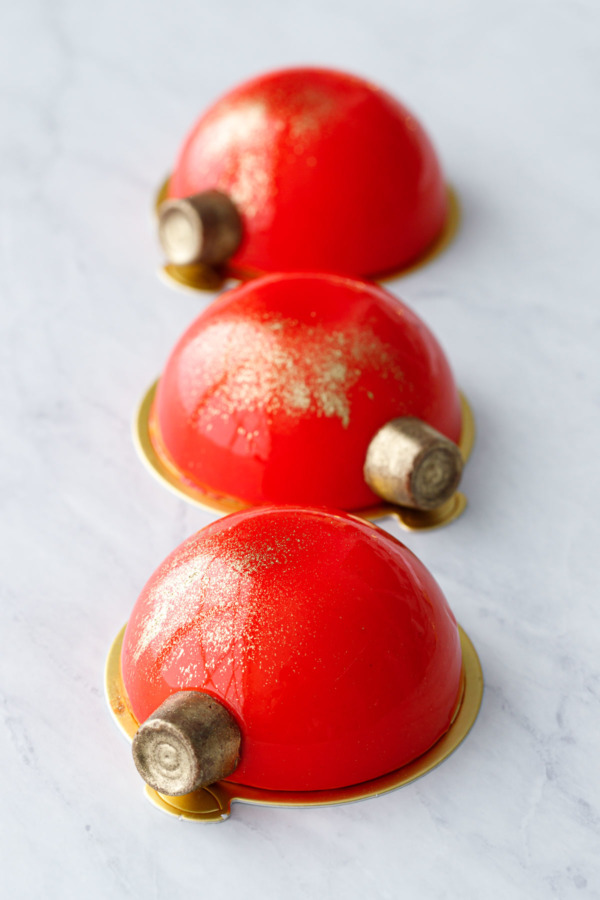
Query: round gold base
409	519
205	278
213	804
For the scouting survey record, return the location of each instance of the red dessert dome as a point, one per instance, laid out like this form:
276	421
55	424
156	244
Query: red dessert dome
275	393
323	639
326	171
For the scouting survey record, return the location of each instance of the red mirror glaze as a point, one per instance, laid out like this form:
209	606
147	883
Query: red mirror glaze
326	638
275	391
328	172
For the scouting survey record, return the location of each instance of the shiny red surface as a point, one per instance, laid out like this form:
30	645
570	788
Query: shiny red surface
326	638
275	391
328	172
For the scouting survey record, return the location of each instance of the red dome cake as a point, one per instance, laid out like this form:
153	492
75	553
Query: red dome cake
305	170
297	388
289	649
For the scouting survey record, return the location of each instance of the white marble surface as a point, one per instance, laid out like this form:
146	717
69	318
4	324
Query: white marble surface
94	101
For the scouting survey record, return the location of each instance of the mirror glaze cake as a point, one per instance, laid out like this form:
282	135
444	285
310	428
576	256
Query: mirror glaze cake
305	169
312	389
312	647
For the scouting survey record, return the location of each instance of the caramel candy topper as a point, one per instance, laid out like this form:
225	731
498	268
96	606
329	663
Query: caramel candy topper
190	741
205	228
410	463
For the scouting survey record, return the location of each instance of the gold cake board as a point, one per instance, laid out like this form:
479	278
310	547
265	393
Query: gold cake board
200	277
213	804
410	519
